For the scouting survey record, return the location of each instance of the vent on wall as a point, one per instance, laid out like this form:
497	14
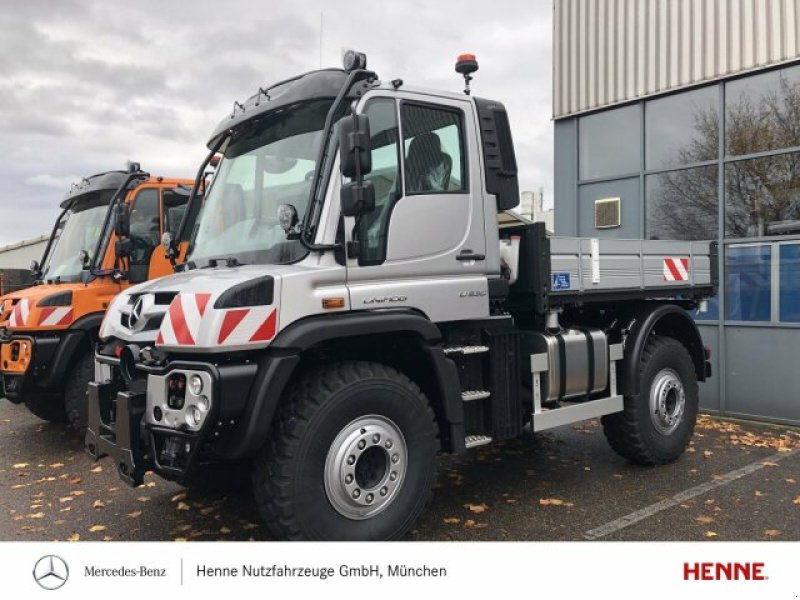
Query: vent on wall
606	213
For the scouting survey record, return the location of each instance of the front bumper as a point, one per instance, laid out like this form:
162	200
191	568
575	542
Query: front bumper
135	425
35	361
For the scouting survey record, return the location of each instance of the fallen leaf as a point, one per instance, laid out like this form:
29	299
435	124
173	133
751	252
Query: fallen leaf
797	500
77	492
20	465
768	463
451	520
143	499
710	534
790	480
249	526
135	514
74	480
74	537
107	538
703	520
207	510
772	532
224	530
98	504
96	469
707	453
57	465
182	506
66	499
476	508
554	502
758	493
180	539
66	509
38	515
182	528
97	528
150	484
179	497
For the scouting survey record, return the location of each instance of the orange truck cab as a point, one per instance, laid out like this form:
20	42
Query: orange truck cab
106	238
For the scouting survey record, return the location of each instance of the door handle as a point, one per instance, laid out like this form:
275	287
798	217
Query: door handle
470	255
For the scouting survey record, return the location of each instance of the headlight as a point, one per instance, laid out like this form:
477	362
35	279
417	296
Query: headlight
196	385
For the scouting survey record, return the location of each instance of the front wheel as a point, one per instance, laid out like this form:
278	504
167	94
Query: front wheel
656	425
76	402
48	407
352	456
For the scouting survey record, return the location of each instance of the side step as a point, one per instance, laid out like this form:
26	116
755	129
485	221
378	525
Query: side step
470	395
465	349
575	412
473	441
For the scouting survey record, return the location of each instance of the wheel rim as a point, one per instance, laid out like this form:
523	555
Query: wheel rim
667	401
365	467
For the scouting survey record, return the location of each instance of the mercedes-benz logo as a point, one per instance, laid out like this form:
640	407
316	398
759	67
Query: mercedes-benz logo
51	572
136	312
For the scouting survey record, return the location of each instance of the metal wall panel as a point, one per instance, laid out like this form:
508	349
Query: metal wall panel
611	51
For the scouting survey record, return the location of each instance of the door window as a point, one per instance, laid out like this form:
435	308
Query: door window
433	142
145	232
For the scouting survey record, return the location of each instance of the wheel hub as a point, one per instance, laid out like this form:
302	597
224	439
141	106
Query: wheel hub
667	401
365	467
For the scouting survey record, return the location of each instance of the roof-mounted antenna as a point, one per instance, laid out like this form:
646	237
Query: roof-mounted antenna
261	92
236	105
466	64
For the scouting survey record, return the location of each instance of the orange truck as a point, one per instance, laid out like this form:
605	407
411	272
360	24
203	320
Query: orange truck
106	238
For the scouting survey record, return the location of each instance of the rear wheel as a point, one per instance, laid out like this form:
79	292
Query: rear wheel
352	456
75	400
49	407
656	425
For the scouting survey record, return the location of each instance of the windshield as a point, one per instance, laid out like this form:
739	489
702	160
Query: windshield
268	165
79	230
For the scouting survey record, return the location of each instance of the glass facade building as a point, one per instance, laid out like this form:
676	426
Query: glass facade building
712	161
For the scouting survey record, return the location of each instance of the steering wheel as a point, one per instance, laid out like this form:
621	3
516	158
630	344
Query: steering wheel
141	251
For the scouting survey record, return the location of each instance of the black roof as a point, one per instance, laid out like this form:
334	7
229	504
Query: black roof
110	180
315	85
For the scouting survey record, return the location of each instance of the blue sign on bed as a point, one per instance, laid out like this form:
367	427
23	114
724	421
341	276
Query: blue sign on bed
560	281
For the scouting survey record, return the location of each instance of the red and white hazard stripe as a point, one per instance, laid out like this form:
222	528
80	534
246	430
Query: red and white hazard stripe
19	316
181	324
676	269
55	316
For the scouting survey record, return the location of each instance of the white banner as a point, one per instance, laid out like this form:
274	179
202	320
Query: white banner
157	570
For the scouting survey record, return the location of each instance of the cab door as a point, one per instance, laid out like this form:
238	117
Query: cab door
424	245
145	232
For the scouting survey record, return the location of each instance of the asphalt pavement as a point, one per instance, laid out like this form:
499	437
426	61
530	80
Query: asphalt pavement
739	481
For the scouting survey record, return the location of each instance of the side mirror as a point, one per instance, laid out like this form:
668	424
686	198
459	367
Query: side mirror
287	217
355	152
357	198
122	220
123	248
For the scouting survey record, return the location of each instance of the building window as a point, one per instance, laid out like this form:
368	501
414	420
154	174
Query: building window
790	283
610	143
711	313
682	129
762	112
762	196
748	282
682	205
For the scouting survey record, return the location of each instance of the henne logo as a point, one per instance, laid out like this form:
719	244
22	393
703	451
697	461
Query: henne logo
731	571
50	572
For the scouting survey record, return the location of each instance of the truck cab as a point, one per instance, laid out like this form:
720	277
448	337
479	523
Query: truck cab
350	305
49	330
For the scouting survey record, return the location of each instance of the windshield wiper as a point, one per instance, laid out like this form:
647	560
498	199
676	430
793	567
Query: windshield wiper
230	262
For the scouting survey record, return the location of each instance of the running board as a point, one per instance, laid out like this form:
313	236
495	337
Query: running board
575	412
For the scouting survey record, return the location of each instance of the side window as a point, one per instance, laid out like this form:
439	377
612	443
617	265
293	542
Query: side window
174	209
385	176
145	231
433	143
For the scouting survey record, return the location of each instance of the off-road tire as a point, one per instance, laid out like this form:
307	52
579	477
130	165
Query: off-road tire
631	433
289	471
75	401
48	407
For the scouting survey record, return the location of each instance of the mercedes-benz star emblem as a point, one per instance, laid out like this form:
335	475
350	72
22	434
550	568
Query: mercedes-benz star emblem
136	312
51	572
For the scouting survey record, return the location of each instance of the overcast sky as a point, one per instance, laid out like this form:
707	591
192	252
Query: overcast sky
87	84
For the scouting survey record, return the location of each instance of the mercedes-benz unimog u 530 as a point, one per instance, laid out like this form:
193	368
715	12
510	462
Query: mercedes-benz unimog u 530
48	335
351	305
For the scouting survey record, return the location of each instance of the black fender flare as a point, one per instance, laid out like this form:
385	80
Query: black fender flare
277	366
668	319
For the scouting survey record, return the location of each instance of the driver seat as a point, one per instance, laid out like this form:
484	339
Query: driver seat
428	167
